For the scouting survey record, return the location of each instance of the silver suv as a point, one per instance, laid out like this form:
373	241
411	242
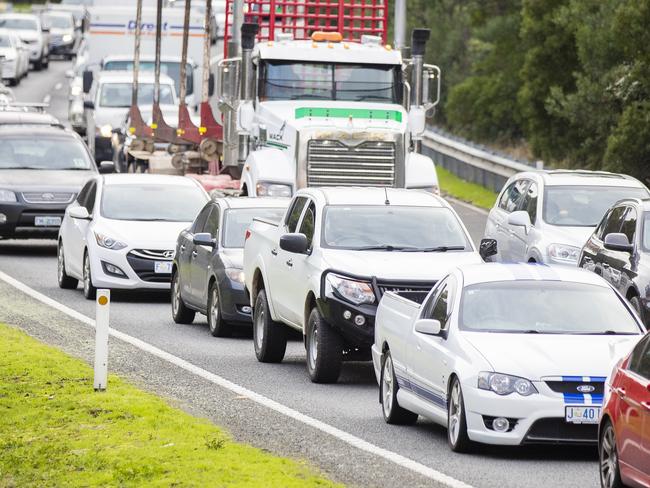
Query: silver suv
547	216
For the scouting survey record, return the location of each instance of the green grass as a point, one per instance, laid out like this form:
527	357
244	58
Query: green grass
473	193
56	431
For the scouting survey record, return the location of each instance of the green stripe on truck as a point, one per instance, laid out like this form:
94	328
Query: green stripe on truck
355	113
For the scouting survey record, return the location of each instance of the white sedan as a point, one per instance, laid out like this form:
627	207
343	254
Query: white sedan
503	354
15	63
121	231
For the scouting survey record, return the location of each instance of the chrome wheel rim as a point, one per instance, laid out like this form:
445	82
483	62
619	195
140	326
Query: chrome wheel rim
387	387
87	275
259	329
176	295
60	264
455	414
313	346
608	458
214	310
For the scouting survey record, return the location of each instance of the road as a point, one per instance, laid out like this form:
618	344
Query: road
351	405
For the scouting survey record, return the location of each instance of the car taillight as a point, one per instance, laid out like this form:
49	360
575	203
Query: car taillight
248	234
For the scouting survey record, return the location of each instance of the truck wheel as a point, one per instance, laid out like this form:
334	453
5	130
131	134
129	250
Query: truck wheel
180	313
393	413
65	281
269	337
324	350
457	421
218	326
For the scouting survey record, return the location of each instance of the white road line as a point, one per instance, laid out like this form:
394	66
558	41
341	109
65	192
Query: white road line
58	86
466	205
245	392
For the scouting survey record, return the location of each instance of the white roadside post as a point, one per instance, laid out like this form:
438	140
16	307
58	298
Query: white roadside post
101	339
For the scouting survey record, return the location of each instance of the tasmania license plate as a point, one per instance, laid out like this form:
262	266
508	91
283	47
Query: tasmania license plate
47	221
163	267
582	414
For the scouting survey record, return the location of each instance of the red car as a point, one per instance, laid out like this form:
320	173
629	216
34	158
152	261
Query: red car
624	437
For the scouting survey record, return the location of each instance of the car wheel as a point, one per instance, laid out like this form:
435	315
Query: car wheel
456	421
218	326
269	337
46	61
65	281
38	65
14	81
90	292
636	305
324	350
610	475
180	313
393	413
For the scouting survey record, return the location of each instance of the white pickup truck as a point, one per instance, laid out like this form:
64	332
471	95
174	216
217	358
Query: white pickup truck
323	269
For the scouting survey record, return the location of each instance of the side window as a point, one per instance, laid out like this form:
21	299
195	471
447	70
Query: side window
529	202
83	194
90	198
614	221
599	232
629	224
511	197
440	308
640	358
427	307
503	201
308	222
212	224
199	222
294	214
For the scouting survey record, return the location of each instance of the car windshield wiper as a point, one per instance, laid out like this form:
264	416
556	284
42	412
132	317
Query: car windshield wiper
385	247
19	167
436	249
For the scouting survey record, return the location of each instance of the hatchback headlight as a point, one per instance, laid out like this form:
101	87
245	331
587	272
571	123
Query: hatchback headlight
564	253
504	384
235	274
7	196
354	291
266	189
66	37
108	242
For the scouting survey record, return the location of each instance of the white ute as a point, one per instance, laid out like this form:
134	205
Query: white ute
323	269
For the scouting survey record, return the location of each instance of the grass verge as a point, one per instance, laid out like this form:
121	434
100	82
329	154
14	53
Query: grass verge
56	431
473	193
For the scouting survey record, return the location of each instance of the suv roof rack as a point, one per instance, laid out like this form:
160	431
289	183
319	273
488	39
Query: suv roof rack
585	172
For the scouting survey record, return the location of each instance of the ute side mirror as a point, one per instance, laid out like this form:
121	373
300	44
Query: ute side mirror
106	167
618	242
204	239
87	80
428	327
80	213
487	248
294	243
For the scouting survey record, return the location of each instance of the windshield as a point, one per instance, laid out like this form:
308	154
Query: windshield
545	307
54	153
152	202
119	94
646	231
5	41
389	227
238	220
298	80
583	206
169	68
60	21
19	24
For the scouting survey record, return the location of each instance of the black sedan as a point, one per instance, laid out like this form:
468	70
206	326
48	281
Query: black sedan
207	274
619	251
42	168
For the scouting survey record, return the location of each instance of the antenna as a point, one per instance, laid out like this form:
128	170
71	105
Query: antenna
387	202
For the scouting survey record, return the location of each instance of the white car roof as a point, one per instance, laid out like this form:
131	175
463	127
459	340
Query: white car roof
345	195
244	202
583	178
147	179
127	77
491	272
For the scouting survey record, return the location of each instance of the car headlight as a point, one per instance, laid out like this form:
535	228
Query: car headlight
504	384
108	242
266	189
235	274
66	38
354	291
7	196
106	130
564	253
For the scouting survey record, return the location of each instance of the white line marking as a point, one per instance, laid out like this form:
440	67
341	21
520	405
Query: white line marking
47	98
466	205
58	86
245	392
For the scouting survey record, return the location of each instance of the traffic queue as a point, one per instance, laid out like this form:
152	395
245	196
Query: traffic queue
338	234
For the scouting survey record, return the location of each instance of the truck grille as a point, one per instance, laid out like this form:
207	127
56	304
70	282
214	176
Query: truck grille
332	163
47	197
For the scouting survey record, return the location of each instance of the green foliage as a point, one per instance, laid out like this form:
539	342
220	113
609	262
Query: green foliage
452	185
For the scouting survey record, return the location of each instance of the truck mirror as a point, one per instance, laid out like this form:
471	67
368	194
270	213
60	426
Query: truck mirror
417	121
228	80
430	86
87	80
211	85
294	243
487	248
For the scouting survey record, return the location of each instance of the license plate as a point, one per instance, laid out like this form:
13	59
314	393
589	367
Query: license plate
582	415
47	221
162	267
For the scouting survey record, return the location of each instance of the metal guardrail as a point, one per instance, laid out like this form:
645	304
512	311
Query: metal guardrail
472	162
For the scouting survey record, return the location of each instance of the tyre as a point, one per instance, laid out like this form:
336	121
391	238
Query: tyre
38	65
610	474
46	61
180	313
90	292
269	337
456	420
218	326
324	350
65	281
393	413
636	305
14	81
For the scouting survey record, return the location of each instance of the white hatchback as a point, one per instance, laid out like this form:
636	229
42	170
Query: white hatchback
121	231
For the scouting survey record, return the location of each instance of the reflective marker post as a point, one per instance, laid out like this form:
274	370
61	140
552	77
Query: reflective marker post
101	339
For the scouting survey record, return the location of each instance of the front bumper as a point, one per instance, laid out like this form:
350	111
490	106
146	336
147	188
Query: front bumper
18	220
358	336
69	48
139	272
235	303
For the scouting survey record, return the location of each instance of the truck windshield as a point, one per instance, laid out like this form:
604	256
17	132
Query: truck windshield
298	80
544	307
118	95
169	68
388	228
50	153
236	221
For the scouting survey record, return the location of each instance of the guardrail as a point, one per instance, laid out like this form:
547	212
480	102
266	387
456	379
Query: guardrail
472	162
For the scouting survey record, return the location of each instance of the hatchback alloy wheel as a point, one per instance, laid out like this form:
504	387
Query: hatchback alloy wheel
455	413
609	474
387	387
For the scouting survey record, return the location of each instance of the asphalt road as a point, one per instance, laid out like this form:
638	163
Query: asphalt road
351	405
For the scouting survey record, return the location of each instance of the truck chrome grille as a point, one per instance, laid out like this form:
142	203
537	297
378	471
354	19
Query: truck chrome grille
48	197
333	163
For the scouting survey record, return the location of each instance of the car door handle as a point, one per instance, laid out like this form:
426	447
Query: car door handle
620	392
290	263
274	252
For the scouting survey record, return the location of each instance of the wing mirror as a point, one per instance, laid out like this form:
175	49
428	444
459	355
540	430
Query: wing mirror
294	243
80	213
106	167
618	242
428	327
487	248
520	218
204	239
89	104
87	80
